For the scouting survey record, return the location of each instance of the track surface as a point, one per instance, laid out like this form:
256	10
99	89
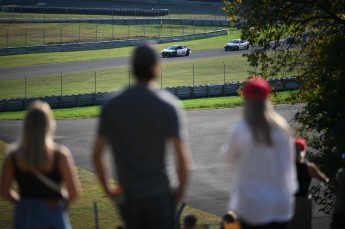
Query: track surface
56	69
211	180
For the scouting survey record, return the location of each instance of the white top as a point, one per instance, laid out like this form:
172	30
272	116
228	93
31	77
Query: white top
266	181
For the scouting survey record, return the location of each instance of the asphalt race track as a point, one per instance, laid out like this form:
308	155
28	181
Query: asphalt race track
211	179
56	69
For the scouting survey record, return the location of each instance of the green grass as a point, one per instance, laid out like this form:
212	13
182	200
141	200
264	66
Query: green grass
32	34
49	58
189	104
81	212
206	71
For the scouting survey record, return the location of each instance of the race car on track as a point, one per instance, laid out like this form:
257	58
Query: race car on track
236	44
176	50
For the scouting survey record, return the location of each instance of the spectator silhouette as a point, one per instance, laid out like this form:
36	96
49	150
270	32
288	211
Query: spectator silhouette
229	221
338	217
262	146
189	222
305	172
40	167
137	124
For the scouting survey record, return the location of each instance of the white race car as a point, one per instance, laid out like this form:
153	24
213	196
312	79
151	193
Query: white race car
236	44
176	50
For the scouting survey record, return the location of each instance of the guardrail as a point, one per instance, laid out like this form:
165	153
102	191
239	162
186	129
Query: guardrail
125	21
106	44
183	92
87	11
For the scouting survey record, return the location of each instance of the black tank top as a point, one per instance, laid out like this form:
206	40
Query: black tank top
303	180
31	187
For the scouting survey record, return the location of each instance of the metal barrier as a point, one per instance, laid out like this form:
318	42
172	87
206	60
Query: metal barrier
184	92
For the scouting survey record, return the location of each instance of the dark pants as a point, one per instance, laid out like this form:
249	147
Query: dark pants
338	221
155	212
273	225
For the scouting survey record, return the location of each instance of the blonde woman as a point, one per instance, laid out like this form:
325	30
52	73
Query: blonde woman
262	146
40	167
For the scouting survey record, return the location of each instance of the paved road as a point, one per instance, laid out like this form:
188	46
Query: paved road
56	69
211	179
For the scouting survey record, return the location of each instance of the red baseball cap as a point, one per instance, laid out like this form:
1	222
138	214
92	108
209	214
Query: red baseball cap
301	143
257	88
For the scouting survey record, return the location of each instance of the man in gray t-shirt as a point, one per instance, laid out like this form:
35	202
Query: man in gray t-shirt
137	124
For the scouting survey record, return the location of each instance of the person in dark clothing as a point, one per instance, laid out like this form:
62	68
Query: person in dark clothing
338	218
137	124
189	222
305	172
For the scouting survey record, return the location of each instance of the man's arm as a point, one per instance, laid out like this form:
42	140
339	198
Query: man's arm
98	161
183	166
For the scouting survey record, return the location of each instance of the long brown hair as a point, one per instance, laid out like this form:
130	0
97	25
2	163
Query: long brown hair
260	117
37	135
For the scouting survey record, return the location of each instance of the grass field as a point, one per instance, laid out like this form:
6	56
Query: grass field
14	35
49	58
188	72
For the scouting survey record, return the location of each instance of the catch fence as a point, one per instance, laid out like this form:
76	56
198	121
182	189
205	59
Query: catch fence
56	33
106	80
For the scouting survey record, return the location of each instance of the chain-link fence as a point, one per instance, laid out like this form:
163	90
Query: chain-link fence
106	80
181	11
17	35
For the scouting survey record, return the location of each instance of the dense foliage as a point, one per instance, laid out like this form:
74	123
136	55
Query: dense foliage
317	53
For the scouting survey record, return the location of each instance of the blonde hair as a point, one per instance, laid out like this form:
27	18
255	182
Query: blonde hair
260	116
37	135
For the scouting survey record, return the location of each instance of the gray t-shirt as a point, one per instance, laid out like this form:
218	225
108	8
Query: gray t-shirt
137	124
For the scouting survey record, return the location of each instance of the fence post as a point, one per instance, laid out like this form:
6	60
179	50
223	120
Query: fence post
61	84
61	34
224	71
7	38
25	85
161	76
224	80
95	210
178	215
128	32
112	30
26	36
129	77
43	35
193	75
96	32
183	29
79	33
95	75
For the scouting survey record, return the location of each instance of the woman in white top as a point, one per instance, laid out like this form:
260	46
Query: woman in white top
262	146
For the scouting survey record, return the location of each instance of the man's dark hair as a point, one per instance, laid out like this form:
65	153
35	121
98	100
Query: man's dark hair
143	61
